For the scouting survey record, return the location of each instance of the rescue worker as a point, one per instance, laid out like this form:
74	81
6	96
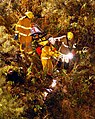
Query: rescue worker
66	48
66	40
24	29
67	43
46	57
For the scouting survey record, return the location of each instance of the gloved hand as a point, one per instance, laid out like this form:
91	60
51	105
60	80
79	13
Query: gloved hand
16	37
52	40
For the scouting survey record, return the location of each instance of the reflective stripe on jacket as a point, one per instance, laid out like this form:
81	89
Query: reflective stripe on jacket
23	26
45	58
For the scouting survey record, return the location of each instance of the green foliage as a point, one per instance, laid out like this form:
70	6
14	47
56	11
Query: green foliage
81	88
73	97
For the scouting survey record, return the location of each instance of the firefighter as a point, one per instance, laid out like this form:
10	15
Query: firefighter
66	40
48	51
67	43
25	30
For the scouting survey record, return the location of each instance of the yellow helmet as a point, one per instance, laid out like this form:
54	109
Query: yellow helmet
70	35
43	43
29	14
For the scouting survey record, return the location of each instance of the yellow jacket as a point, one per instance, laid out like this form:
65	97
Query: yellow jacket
23	29
48	52
23	26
